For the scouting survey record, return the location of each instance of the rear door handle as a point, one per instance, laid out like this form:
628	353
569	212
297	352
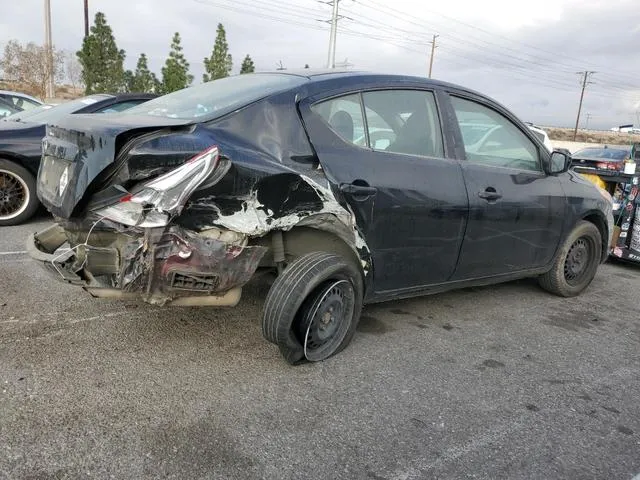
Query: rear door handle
356	190
490	194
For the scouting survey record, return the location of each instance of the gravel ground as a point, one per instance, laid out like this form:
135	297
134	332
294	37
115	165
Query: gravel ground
491	383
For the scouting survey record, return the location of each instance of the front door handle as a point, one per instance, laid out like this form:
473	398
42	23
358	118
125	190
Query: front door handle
360	190
490	194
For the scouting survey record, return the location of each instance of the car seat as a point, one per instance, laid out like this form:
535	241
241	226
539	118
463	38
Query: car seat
413	137
342	123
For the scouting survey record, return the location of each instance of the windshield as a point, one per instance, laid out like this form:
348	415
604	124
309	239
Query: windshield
52	114
218	97
607	153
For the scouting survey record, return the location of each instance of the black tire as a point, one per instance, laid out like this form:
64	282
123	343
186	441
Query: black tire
576	263
296	292
18	199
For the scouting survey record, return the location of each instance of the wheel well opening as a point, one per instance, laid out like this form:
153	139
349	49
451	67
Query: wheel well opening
15	160
600	223
300	241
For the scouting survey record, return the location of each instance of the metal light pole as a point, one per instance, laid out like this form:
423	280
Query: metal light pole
48	45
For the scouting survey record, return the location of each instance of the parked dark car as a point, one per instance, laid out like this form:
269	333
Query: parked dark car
21	137
353	187
6	109
602	158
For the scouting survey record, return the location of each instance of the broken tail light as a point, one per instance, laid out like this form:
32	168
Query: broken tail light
618	166
155	202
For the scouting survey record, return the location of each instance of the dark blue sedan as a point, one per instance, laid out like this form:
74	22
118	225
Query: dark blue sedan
350	187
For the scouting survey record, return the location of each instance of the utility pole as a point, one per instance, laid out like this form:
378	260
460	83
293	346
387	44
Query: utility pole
586	127
48	45
585	75
86	18
280	66
433	49
331	60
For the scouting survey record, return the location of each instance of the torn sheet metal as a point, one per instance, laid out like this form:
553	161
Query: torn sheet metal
254	218
163	265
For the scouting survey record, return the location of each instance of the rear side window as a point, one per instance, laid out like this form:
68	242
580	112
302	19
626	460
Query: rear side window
492	139
404	121
397	121
120	107
344	116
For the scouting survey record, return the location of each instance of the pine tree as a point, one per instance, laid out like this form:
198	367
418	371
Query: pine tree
143	80
247	65
101	60
220	63
306	65
175	73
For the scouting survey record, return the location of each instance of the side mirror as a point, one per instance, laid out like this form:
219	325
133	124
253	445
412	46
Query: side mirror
559	162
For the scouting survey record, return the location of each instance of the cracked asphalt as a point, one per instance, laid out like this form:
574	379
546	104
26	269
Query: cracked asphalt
503	382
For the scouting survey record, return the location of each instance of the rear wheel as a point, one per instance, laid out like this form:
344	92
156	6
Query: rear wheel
18	201
312	310
576	263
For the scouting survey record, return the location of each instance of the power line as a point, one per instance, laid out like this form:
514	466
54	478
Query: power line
522	60
406	18
510	69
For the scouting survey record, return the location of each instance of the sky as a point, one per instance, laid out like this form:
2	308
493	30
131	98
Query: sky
525	55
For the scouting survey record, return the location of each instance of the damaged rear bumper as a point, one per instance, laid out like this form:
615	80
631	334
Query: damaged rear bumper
158	265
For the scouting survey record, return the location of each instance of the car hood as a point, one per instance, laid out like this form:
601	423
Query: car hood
79	147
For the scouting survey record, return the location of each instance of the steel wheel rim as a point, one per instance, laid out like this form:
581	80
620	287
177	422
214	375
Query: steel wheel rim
14	195
325	324
576	264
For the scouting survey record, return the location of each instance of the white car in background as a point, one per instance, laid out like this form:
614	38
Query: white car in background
20	101
542	135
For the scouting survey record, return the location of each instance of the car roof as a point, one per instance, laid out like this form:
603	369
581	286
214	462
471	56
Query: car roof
321	75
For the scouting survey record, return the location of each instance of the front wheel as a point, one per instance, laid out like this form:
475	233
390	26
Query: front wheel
312	309
18	201
577	261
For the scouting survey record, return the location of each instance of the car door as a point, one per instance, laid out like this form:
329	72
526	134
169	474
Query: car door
515	208
384	154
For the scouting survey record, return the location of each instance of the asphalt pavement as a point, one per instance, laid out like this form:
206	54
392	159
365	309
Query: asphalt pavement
503	382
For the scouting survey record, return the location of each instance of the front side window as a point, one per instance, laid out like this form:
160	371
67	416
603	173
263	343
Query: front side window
492	139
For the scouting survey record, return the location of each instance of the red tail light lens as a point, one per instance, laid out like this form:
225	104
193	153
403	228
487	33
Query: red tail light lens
618	166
